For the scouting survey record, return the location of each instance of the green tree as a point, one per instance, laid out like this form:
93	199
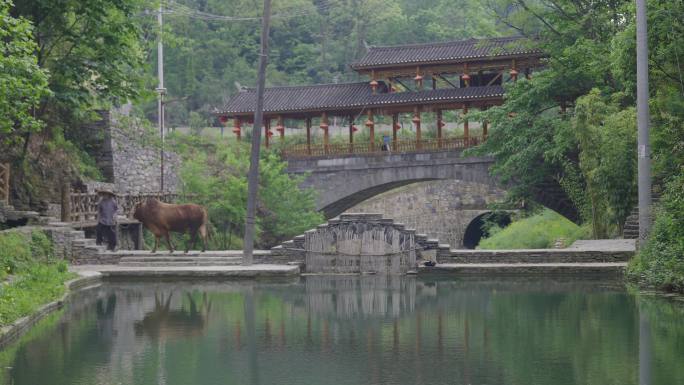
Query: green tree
606	137
215	172
93	53
22	82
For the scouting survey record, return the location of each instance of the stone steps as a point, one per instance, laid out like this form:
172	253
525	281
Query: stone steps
179	261
602	268
533	256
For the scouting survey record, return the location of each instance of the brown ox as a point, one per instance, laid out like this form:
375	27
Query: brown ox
161	218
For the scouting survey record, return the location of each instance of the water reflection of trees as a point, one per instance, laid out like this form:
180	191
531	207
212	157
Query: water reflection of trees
371	329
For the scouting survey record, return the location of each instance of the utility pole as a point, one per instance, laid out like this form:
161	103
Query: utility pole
643	147
161	91
253	175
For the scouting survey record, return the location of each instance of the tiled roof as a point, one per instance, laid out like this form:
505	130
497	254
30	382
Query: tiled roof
347	96
462	50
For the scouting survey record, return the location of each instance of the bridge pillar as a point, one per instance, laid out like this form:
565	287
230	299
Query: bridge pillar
281	128
351	134
466	129
267	131
416	121
236	129
395	128
324	126
440	124
485	125
371	127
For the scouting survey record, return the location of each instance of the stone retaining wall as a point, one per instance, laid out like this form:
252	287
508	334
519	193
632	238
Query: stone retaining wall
442	209
532	256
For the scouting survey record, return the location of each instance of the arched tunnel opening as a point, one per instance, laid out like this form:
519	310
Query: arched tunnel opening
478	228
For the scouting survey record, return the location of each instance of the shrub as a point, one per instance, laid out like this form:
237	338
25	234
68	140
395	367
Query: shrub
36	276
538	231
660	263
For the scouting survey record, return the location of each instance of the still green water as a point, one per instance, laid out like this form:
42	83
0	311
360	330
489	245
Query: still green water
355	330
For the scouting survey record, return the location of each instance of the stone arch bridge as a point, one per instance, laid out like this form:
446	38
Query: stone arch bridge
343	182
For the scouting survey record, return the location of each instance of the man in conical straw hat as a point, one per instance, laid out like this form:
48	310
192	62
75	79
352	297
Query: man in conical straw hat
106	218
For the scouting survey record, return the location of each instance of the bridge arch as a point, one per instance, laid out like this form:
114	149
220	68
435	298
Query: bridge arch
344	182
474	232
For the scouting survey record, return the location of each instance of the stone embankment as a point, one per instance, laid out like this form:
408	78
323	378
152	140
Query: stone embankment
606	256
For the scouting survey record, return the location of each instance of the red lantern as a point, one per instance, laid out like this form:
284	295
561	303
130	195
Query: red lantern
280	128
354	129
269	133
223	119
369	123
374	85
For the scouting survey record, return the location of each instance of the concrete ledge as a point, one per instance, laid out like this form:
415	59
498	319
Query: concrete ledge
600	251
614	268
228	271
11	333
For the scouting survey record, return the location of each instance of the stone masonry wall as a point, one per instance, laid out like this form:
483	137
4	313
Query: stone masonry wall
127	154
441	209
135	157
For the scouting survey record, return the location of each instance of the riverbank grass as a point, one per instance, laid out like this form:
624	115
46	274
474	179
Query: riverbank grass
30	275
539	231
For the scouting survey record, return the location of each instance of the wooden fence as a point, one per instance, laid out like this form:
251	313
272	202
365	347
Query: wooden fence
399	147
83	206
4	182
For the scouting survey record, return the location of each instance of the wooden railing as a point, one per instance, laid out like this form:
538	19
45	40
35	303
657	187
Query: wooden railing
399	147
4	182
83	206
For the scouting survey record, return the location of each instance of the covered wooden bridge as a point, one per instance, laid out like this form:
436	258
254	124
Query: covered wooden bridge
416	79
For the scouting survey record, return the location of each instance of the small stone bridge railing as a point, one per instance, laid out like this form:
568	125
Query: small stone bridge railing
360	148
357	243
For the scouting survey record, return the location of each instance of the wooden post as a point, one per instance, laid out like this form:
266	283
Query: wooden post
281	128
395	128
466	131
416	121
371	131
434	82
267	131
351	134
466	76
373	83
485	126
4	182
514	72
308	136
237	130
440	124
324	126
418	79
66	201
